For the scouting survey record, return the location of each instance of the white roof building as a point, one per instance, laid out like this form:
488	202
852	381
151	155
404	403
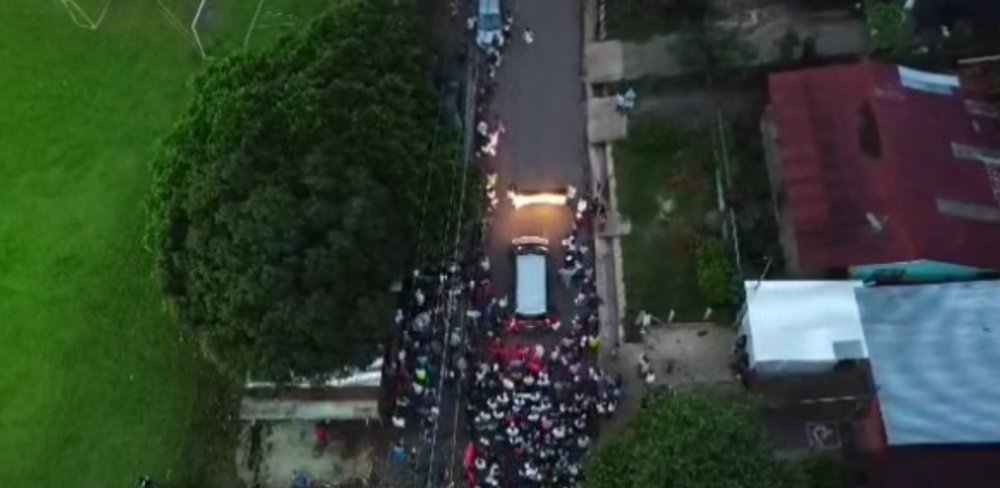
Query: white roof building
933	349
795	327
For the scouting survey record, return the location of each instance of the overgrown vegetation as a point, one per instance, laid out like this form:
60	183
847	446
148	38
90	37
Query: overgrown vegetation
692	440
666	190
715	274
891	28
749	194
285	204
640	19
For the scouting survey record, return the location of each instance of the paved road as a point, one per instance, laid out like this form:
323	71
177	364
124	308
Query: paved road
540	101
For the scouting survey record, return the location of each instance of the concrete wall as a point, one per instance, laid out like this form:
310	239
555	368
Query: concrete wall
922	271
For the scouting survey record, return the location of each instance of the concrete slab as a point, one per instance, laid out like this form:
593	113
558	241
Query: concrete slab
285	449
604	122
603	62
688	354
681	355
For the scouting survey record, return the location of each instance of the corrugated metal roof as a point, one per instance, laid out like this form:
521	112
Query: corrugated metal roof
833	188
935	359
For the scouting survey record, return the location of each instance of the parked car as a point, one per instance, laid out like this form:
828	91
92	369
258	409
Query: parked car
531	283
490	23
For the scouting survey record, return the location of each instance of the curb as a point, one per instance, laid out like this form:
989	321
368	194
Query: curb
600	156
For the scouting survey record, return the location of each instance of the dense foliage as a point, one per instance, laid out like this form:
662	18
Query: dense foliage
691	440
891	28
825	472
290	194
715	273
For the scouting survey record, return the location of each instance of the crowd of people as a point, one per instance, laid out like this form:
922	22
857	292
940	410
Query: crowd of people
532	403
533	412
429	346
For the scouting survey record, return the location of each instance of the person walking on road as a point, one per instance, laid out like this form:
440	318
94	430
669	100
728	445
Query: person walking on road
529	37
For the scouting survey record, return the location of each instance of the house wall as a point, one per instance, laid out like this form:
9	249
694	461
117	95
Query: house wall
922	271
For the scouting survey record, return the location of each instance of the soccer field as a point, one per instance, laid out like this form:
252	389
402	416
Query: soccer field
96	386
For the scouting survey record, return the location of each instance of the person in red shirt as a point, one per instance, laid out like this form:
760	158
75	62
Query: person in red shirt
322	431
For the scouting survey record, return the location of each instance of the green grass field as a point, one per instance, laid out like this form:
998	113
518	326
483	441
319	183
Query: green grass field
96	386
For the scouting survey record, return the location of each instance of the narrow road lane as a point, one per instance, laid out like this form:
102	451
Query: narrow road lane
540	101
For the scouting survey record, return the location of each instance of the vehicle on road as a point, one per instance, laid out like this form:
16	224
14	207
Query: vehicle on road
531	294
490	24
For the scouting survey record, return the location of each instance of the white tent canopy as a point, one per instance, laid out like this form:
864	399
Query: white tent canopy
802	326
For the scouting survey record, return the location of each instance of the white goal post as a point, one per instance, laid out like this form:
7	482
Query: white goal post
81	18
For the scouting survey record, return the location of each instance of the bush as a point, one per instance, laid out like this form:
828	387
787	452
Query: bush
891	28
284	205
715	274
825	472
692	440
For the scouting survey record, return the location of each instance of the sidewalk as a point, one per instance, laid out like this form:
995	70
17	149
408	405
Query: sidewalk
607	249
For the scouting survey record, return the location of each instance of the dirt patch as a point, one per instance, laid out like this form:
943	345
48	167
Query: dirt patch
681	356
272	454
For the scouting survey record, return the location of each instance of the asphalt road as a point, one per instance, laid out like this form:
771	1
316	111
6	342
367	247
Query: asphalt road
540	102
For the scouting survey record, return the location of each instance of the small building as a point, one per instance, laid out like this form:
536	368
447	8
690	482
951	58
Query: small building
801	327
322	429
914	397
804	352
884	173
935	362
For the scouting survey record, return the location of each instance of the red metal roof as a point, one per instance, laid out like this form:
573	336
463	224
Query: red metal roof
831	185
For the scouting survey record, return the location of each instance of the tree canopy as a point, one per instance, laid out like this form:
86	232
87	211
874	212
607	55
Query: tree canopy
691	440
292	191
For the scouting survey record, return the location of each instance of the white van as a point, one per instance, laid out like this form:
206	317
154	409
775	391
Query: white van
490	23
531	297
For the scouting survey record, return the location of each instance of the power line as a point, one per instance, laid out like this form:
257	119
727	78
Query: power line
427	183
452	308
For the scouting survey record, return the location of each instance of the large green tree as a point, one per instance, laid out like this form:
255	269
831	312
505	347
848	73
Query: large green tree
291	192
692	440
